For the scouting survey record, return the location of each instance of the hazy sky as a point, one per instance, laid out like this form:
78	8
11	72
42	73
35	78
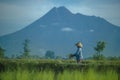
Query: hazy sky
17	14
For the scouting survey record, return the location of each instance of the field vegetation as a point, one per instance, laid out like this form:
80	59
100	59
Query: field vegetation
49	69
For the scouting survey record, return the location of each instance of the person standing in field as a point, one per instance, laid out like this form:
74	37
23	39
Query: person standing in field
78	54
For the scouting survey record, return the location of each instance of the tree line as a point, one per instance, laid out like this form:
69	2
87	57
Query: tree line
26	52
99	48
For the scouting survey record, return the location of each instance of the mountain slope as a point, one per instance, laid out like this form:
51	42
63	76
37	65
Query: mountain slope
59	30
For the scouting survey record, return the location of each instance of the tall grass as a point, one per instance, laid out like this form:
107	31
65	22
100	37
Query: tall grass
25	74
91	74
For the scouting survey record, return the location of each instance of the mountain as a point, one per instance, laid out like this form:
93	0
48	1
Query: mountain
59	30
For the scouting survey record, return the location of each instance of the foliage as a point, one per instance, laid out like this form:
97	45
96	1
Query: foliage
113	58
26	52
58	57
90	74
71	56
49	69
49	54
56	65
99	48
26	75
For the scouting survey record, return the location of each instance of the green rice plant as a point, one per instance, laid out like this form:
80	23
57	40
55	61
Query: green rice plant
110	75
27	75
90	74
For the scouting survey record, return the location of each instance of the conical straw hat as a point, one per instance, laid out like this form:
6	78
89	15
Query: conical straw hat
79	44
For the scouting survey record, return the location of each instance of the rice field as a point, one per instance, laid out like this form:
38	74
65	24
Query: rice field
91	74
58	70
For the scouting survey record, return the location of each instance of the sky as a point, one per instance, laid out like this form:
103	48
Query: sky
17	14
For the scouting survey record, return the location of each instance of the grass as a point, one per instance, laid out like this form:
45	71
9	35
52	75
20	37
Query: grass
26	75
30	69
91	74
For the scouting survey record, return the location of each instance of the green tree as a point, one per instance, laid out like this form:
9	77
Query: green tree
2	52
99	48
50	54
26	49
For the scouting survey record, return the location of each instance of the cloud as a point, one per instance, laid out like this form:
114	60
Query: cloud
91	30
67	29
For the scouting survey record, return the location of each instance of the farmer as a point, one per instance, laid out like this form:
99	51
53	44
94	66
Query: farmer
78	53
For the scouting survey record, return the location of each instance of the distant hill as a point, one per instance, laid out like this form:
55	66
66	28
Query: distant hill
59	30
